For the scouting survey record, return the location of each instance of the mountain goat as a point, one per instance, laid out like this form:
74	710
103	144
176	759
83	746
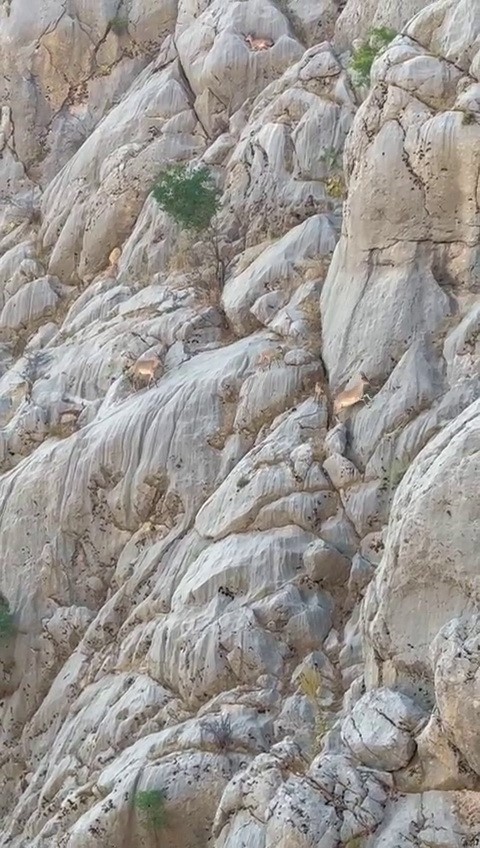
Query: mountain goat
350	397
257	44
145	370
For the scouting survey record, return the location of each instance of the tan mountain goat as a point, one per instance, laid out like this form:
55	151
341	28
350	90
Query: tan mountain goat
257	44
145	370
114	257
267	357
350	397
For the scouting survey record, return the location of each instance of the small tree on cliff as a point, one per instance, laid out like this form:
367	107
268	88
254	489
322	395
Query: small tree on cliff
364	56
190	197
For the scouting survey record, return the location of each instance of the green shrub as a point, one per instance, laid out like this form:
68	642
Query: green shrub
151	805
330	157
119	25
335	187
188	195
7	626
363	58
468	118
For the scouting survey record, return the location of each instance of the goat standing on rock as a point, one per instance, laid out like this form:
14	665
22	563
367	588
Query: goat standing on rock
145	370
257	44
355	394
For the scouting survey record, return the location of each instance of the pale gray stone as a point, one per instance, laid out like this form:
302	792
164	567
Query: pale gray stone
357	20
456	661
32	302
298	356
177	554
336	440
361	573
341	471
380	729
325	564
434	499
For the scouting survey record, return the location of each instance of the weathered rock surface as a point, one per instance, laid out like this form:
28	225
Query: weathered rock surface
212	586
456	662
380	729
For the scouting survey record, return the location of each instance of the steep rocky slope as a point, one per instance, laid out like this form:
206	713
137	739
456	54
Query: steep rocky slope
221	589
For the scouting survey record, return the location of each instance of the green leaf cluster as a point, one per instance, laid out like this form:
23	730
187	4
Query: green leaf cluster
151	803
188	195
364	56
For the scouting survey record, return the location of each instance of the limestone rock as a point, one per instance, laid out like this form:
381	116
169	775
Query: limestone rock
357	20
276	178
425	532
326	564
370	198
116	168
456	662
366	505
313	23
380	729
441	764
361	573
372	547
34	301
341	471
438	818
336	439
206	572
277	265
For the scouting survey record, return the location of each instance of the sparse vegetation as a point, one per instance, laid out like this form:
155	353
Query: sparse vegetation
119	25
335	187
397	471
150	803
219	730
315	268
363	58
331	157
393	476
310	686
7	625
334	182
190	197
309	683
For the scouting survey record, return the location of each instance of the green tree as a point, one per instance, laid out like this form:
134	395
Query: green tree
188	195
363	58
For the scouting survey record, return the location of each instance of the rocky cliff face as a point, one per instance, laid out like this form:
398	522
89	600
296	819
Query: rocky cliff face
229	595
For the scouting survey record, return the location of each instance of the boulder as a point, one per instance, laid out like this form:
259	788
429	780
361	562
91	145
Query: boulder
381	728
456	662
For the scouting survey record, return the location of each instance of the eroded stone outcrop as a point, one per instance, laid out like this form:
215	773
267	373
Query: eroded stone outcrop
224	586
